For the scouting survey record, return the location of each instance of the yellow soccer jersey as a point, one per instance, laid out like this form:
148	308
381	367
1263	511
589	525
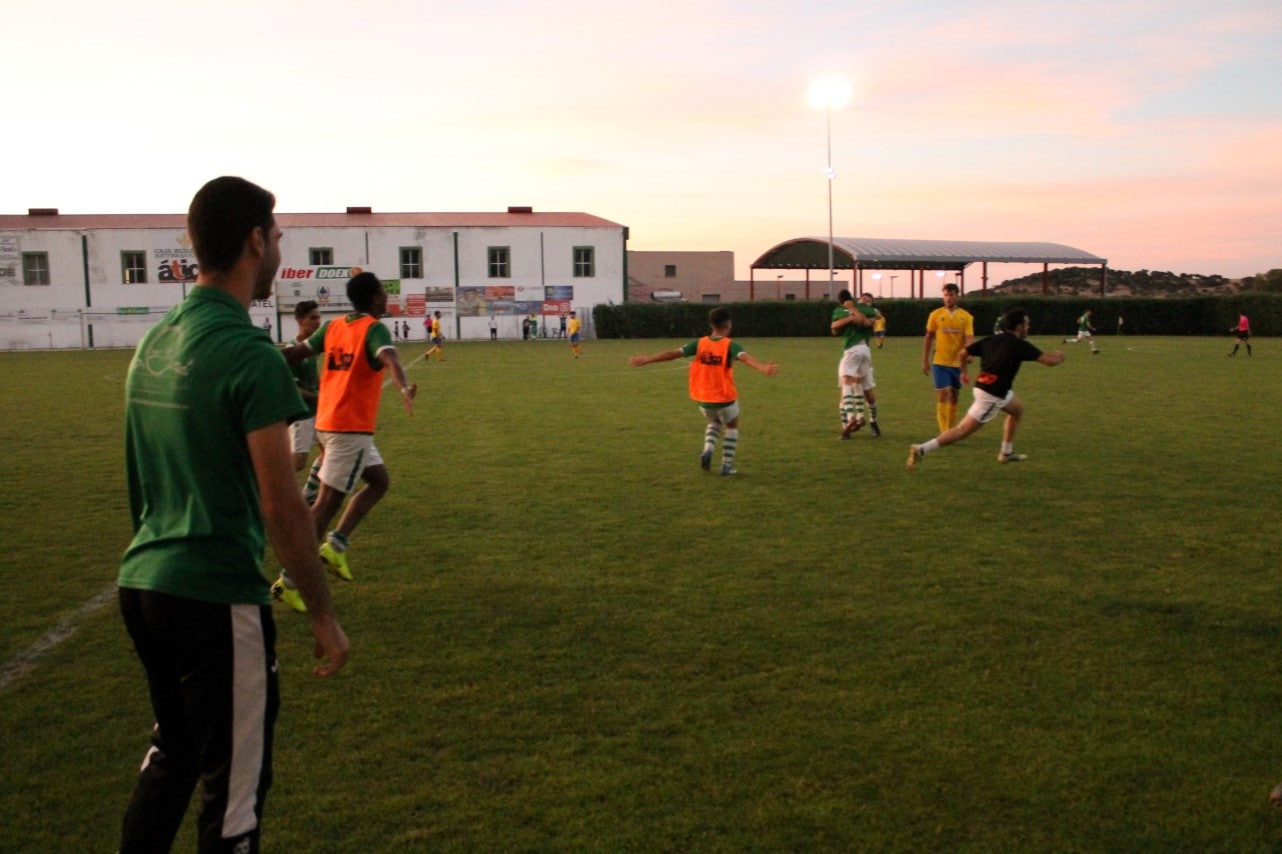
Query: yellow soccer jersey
575	325
951	329
879	325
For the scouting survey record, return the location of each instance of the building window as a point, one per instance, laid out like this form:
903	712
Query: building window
35	268
500	262
711	299
320	256
669	271
411	262
133	268
584	262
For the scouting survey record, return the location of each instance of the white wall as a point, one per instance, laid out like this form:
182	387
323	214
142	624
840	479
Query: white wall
58	315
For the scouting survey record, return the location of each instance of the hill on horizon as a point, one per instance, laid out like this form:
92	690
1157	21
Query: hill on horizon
1085	281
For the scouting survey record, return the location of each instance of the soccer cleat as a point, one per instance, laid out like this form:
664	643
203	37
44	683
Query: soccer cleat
914	456
852	427
335	561
727	469
705	461
1011	458
876	430
289	595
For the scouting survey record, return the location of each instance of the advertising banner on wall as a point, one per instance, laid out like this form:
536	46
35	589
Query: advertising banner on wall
326	285
175	265
10	260
415	305
484	301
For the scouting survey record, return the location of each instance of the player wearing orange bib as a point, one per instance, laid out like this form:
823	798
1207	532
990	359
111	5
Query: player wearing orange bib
353	352
712	385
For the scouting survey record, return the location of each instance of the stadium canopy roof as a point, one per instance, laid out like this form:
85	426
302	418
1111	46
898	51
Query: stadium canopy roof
917	256
874	253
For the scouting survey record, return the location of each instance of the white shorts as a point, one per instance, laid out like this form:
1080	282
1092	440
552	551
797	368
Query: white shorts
1082	334
721	414
986	406
857	362
302	435
347	455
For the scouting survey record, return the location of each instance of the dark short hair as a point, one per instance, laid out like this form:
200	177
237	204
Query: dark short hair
362	289
222	215
305	308
844	295
1014	319
952	286
719	316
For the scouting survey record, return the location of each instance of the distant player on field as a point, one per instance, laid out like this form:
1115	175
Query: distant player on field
949	330
575	328
1084	330
1243	333
438	339
712	385
302	433
858	400
1000	356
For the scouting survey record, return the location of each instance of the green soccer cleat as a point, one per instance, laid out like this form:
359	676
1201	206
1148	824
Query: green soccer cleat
335	561
289	595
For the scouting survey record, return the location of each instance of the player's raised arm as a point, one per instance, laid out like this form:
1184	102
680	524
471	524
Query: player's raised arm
1052	359
767	368
392	361
665	356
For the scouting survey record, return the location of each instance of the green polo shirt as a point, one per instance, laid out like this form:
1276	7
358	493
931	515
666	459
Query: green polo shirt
200	382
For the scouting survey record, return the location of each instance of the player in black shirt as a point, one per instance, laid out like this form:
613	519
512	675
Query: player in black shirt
1000	357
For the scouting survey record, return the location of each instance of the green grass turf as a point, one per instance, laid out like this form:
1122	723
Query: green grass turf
568	637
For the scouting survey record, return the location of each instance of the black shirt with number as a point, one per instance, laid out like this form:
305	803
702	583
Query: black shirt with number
999	357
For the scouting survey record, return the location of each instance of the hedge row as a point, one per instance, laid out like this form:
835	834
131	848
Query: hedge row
1201	315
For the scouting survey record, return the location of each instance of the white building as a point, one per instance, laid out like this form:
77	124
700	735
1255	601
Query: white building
101	280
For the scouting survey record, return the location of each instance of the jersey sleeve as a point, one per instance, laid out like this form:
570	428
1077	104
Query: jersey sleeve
736	350
317	341
690	349
378	339
265	392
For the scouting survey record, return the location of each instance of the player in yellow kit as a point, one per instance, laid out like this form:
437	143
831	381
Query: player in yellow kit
949	331
575	329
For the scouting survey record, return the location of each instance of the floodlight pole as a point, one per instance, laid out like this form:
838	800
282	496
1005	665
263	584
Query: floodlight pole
832	176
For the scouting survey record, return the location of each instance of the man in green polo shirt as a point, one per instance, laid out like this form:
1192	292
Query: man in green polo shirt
207	457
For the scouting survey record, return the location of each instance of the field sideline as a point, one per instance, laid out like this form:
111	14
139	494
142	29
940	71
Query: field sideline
568	637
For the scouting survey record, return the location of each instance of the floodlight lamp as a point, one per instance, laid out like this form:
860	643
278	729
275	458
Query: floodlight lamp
829	93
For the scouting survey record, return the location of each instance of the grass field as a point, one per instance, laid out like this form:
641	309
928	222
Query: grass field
568	637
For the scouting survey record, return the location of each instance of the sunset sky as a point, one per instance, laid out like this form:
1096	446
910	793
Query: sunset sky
1148	132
